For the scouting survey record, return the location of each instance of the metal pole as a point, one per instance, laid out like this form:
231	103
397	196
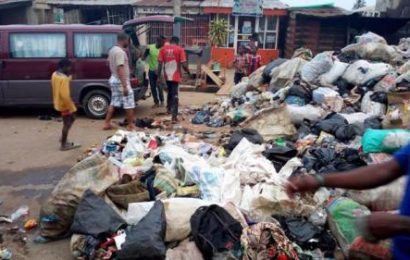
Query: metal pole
177	12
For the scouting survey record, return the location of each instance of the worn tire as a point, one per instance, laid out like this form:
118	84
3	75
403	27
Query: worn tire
96	103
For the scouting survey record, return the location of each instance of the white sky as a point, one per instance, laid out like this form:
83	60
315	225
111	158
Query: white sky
347	4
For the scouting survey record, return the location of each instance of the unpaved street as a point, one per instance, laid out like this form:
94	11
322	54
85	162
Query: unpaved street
31	164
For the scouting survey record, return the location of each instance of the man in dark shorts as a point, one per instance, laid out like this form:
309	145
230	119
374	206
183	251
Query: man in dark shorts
151	56
60	83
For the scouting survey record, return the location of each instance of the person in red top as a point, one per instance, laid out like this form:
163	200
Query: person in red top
240	64
253	61
170	60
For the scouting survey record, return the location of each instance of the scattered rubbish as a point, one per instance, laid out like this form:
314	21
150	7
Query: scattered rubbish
30	224
19	213
5	254
342	216
213	194
5	219
262	239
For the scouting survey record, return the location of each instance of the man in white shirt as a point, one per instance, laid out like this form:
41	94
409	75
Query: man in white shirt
122	95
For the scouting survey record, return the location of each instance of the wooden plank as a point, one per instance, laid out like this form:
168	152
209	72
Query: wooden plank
225	90
212	75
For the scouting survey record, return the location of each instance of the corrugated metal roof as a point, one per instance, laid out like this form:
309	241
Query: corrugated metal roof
321	12
166	3
267	4
5	2
88	2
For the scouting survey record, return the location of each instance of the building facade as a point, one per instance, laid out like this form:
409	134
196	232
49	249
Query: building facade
241	25
17	12
85	11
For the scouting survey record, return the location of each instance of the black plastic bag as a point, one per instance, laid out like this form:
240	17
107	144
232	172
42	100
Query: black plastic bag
352	156
379	97
280	155
348	57
343	86
215	230
250	134
95	217
373	123
300	91
144	123
321	160
348	159
330	124
346	133
307	235
146	239
302	231
322	157
304	129
309	161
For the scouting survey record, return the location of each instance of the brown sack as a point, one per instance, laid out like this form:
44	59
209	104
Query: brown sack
123	194
57	213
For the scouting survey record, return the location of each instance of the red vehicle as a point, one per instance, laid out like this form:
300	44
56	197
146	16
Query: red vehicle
29	55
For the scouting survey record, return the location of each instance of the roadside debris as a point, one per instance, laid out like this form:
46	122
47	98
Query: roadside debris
172	194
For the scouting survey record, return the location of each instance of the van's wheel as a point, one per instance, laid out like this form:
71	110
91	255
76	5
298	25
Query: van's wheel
96	103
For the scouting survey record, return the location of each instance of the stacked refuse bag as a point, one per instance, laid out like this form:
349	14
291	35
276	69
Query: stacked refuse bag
360	78
172	196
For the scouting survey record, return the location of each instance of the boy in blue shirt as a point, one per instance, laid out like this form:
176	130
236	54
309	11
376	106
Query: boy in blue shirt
379	225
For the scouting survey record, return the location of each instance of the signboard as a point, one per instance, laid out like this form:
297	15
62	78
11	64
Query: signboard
248	7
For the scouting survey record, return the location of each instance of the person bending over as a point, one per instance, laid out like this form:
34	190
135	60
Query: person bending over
379	225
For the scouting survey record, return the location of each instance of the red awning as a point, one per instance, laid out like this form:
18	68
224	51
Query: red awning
155	18
217	10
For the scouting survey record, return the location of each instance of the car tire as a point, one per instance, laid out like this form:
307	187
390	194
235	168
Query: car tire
96	103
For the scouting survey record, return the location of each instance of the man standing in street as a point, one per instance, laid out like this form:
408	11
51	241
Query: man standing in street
151	55
122	95
171	58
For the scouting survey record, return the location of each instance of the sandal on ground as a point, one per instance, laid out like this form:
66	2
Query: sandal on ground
174	121
70	146
107	128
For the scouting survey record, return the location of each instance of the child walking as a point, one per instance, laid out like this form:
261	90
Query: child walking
60	83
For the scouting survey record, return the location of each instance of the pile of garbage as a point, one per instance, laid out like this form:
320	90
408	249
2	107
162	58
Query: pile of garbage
172	196
157	196
361	78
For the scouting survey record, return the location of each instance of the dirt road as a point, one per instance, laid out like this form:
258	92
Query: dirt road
31	165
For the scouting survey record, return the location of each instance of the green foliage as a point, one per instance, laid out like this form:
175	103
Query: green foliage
218	32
